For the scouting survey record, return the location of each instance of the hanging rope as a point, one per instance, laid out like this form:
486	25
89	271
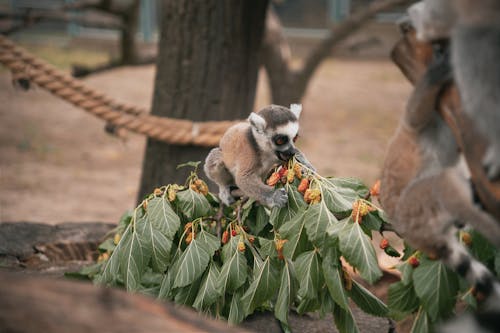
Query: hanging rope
173	131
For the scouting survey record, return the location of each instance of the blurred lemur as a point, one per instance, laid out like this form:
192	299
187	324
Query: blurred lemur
425	190
474	29
249	150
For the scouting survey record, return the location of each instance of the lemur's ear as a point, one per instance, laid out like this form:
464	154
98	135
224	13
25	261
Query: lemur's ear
296	109
257	122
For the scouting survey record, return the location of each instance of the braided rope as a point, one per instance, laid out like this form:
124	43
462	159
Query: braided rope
135	119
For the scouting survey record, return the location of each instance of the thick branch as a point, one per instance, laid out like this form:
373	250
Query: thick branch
339	32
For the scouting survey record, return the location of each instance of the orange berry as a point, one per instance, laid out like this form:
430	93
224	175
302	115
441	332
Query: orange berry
282	171
273	179
188	225
225	237
297	169
116	239
312	195
279	244
304	185
251	239
375	189
280	255
189	238
413	261
384	243
157	192
241	246
234	232
466	238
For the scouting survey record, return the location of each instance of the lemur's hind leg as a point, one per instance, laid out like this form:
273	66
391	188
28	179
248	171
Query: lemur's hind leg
217	172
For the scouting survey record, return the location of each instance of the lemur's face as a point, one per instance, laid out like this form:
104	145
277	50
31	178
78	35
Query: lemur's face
276	129
283	139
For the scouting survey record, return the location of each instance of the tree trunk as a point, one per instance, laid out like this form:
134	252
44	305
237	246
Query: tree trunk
128	44
206	70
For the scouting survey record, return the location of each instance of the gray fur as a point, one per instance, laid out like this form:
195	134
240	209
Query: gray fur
247	154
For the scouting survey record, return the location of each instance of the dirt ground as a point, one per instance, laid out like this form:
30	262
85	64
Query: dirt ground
57	164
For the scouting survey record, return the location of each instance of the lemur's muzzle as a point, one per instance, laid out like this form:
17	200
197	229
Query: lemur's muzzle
286	154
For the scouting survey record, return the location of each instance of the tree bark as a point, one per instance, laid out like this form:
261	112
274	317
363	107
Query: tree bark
206	70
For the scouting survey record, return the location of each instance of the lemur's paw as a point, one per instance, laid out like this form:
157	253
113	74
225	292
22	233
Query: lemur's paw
226	197
491	162
279	198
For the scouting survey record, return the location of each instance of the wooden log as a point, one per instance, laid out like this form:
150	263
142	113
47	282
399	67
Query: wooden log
30	303
413	57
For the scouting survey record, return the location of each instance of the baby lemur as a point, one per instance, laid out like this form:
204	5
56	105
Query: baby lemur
474	29
424	188
249	150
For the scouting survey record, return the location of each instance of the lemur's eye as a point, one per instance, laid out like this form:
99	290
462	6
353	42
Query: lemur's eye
280	140
295	138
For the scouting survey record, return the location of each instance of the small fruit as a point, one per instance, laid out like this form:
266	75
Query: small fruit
359	209
280	255
282	171
312	195
297	170
304	185
251	239
144	205
347	279
241	246
189	238
273	179
157	192
234	232
384	243
375	189
199	186
413	261
171	194
290	176
116	239
225	237
279	244
466	238
188	225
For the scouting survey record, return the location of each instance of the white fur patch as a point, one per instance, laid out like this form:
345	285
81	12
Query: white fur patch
296	109
290	129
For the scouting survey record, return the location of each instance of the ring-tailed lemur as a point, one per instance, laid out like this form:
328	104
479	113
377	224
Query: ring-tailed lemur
474	29
425	191
249	150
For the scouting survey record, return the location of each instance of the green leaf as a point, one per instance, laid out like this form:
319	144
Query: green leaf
168	279
333	278
186	295
208	292
229	248
344	321
437	288
133	259
308	305
421	323
192	263
161	217
111	271
481	248
107	245
308	274
193	204
317	219
358	250
335	230
406	272
261	219
351	183
371	222
295	232
295	205
191	164
236	314
267	247
286	293
366	301
402	298
233	273
210	242
340	193
262	288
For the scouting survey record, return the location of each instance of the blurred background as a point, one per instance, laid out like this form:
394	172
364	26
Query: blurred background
58	164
